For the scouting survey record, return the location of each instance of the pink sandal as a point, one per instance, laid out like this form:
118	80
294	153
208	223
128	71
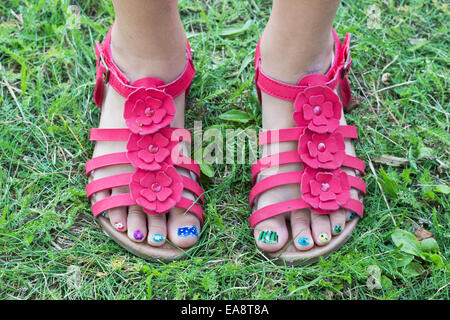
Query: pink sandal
321	150
152	149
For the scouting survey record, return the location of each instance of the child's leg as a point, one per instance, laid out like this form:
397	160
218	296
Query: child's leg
297	41
148	40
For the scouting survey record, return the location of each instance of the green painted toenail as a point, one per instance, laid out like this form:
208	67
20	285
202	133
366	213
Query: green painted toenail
158	237
268	237
337	229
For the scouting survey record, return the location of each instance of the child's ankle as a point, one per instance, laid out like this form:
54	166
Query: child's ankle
139	59
288	60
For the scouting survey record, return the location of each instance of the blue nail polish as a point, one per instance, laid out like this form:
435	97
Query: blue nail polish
352	216
303	241
158	237
188	232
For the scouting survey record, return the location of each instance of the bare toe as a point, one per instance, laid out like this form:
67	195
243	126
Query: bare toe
320	227
157	231
271	234
301	230
137	224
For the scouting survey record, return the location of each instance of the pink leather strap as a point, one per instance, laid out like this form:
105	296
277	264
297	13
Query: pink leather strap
276	209
106	160
98	134
119	200
194	187
191	206
108	72
273	182
274	160
110	182
293	134
337	75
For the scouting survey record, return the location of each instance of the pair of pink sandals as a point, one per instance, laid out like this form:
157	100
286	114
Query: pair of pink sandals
152	148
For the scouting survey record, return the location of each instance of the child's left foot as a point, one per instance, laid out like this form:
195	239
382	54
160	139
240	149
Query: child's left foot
306	177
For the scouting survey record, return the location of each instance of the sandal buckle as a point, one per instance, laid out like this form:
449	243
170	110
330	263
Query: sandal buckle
346	67
105	75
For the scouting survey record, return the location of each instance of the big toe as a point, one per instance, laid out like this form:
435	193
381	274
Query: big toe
183	229
271	234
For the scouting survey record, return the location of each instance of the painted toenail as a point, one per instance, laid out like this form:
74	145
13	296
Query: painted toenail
323	237
119	226
104	213
268	237
352	216
158	237
303	241
188	232
337	229
138	235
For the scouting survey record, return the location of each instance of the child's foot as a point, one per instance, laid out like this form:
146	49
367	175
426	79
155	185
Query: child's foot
180	228
307	228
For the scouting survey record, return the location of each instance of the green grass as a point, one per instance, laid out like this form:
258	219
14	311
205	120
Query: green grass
51	248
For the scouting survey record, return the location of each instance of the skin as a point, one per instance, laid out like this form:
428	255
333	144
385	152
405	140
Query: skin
302	28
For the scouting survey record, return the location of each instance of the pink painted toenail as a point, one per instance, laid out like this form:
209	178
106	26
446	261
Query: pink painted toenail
119	226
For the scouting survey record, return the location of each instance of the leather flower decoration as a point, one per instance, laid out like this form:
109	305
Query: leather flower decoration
156	191
318	108
149	151
148	110
326	150
325	191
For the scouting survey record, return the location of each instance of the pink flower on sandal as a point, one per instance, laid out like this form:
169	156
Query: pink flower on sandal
326	151
156	191
147	110
318	108
149	151
325	191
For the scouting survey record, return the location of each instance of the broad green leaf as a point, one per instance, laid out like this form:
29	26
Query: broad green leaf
413	269
235	115
408	242
403	259
387	184
207	169
386	283
442	189
236	30
429	245
437	260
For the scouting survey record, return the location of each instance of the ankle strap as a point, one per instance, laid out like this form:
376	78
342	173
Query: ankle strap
336	75
108	73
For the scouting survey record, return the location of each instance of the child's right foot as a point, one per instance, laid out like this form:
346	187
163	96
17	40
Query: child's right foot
127	217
